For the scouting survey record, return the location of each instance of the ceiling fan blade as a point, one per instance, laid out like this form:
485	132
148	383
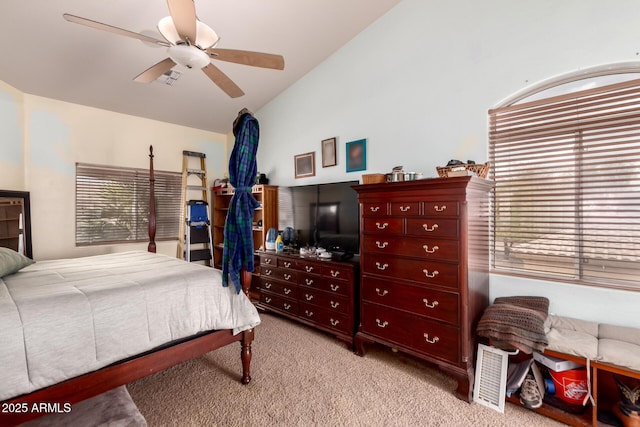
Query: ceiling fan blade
183	14
255	59
155	71
223	81
112	29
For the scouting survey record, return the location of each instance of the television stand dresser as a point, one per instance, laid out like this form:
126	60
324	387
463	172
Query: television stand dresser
311	290
425	270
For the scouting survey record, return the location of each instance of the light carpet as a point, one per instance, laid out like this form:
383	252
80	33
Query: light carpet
303	377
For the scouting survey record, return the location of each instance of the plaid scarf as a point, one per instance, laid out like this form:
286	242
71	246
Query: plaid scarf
238	238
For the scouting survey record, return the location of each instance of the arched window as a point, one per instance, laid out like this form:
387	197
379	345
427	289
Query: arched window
566	163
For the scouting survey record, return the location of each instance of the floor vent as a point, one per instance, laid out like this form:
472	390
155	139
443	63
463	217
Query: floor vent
491	377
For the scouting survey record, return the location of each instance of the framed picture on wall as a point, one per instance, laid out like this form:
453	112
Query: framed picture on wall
357	155
329	152
305	165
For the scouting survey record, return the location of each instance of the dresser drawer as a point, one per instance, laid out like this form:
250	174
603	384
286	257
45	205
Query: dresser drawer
374	209
285	289
441	208
287	275
309	267
426	272
425	336
385	323
330	302
279	303
336	272
405	208
416	299
328	319
330	285
268	260
414	247
387	226
286	263
433	227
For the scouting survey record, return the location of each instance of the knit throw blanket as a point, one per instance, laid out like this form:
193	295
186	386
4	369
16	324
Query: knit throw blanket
516	322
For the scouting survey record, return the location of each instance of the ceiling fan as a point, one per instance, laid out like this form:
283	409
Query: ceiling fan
192	44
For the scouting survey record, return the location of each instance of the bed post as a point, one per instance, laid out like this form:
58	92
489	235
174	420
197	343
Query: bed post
152	205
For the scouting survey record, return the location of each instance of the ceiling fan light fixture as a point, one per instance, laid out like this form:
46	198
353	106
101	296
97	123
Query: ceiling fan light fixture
205	36
168	30
188	56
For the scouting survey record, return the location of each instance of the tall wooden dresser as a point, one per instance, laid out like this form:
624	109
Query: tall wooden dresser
424	270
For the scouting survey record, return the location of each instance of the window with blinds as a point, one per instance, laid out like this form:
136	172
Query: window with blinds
567	187
112	204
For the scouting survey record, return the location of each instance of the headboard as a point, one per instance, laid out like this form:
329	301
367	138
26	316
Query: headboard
15	221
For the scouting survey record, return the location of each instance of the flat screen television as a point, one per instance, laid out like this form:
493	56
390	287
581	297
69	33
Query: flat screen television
321	215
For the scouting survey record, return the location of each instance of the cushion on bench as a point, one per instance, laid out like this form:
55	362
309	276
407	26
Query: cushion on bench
619	345
572	336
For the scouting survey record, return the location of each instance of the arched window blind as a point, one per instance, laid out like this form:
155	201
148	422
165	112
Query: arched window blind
567	187
112	204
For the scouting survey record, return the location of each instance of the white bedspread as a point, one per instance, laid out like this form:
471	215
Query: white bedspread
63	318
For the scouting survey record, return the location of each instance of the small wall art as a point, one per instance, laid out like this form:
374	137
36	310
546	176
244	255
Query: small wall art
305	165
357	155
329	152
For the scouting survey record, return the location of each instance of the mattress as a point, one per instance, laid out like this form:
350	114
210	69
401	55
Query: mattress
63	318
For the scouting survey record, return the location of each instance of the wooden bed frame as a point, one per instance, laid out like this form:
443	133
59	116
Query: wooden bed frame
132	369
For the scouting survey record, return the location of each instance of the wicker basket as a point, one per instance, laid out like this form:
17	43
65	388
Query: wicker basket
480	170
373	178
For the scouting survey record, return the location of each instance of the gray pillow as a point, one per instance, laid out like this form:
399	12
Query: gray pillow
12	262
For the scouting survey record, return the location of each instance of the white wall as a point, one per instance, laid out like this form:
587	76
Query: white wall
417	85
53	135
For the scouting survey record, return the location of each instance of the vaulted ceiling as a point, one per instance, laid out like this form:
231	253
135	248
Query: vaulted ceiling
43	54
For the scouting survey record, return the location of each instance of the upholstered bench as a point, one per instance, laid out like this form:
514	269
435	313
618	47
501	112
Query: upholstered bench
615	345
113	408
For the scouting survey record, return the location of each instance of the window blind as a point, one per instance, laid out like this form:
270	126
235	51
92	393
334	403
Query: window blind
112	204
567	186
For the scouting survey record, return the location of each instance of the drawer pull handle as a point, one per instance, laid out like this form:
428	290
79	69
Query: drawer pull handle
267	272
287	291
335	273
382	226
267	261
382	324
287	264
308	313
431	341
267	285
335	288
382	266
287	276
381	293
308	297
374	208
430	275
267	300
427	228
287	306
335	304
432	305
382	245
308	281
440	208
309	268
430	251
404	208
334	322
